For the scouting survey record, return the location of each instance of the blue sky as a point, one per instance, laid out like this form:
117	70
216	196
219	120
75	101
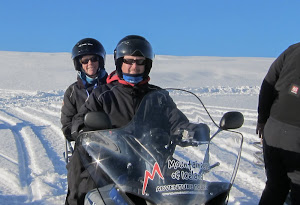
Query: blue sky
230	28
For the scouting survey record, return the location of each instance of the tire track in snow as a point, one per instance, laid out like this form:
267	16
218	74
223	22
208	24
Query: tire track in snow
6	143
38	162
56	105
10	180
49	134
54	142
15	126
8	158
41	120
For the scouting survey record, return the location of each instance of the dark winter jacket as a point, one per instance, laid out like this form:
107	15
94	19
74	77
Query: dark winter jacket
117	98
74	97
280	91
120	101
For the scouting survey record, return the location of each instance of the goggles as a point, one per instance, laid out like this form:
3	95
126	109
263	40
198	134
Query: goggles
86	60
132	61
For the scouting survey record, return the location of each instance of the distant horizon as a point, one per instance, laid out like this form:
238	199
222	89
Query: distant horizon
43	68
154	57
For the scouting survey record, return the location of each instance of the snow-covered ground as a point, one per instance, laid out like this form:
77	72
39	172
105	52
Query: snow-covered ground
32	85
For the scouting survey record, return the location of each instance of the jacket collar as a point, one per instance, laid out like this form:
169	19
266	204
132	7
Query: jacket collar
100	81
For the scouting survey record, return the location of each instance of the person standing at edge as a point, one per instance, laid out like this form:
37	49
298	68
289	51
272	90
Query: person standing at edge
278	125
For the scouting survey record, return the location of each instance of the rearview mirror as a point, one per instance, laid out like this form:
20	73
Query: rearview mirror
97	121
232	120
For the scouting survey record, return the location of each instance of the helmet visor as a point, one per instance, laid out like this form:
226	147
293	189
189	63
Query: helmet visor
134	47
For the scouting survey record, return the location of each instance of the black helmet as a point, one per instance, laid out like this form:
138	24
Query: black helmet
88	46
133	45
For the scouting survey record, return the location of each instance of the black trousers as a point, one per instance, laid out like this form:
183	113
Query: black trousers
283	175
79	181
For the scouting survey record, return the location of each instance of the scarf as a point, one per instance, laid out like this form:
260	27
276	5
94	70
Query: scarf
87	80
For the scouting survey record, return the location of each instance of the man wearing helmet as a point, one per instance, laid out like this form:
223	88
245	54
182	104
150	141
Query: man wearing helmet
127	48
89	59
125	89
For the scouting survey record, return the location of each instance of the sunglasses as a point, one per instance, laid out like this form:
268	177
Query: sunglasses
132	61
86	60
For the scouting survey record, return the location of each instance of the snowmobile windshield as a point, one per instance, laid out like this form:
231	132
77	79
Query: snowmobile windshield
170	153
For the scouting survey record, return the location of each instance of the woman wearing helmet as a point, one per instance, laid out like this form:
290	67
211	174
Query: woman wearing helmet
89	59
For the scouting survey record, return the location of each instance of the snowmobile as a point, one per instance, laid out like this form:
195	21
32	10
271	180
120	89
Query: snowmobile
146	162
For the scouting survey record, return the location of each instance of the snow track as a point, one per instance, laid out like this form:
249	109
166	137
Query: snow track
32	145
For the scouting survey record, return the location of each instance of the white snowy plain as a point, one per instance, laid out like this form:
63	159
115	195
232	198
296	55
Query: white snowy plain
32	85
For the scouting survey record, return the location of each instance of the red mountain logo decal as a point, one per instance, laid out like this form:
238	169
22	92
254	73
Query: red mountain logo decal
148	175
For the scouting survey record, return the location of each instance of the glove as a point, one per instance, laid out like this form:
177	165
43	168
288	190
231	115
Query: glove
202	133
260	129
197	133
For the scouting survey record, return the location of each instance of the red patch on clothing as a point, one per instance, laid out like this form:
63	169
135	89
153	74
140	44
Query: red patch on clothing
295	89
